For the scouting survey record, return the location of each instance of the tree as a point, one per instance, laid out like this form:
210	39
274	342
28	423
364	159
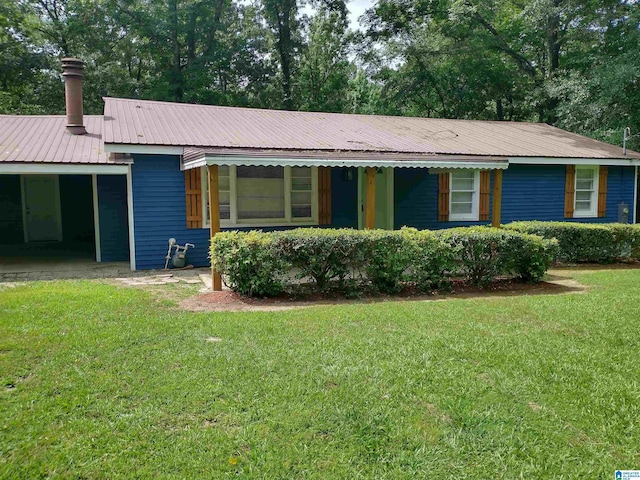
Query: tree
281	16
325	69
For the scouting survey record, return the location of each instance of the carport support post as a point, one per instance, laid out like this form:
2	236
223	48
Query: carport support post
214	218
496	210
370	199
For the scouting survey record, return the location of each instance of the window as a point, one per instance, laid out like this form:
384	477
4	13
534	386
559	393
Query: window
463	198
586	192
262	196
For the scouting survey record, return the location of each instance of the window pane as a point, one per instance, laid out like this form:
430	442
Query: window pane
260	172
584	196
583	206
461	208
298	198
462	197
301	211
223	183
300	205
584	184
225	212
462	174
223	170
584	173
462	184
260	192
301	172
301	183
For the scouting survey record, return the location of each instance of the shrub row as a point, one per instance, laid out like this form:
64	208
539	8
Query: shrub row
583	242
265	264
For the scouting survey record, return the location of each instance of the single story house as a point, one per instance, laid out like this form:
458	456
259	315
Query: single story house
127	181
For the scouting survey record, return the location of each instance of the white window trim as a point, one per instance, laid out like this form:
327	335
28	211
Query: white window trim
233	221
593	212
475	205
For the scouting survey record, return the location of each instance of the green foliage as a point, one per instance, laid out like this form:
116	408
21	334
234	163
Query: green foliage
583	242
390	255
323	255
482	254
99	381
572	64
250	262
349	261
432	259
325	69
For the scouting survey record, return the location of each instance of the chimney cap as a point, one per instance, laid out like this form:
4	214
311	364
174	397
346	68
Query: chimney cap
72	67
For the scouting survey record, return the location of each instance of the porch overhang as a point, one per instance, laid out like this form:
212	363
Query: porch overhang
195	158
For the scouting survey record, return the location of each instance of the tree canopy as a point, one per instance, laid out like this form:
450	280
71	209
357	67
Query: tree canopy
570	63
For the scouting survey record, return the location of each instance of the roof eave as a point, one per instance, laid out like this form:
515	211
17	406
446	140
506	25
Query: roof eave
194	158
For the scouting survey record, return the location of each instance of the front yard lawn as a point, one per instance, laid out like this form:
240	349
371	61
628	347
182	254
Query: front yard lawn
99	381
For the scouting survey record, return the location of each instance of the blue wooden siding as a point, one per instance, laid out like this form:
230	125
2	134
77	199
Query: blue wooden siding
530	192
112	210
416	200
159	212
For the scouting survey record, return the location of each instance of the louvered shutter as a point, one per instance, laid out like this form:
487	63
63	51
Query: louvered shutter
485	190
193	191
602	191
569	191
324	195
443	197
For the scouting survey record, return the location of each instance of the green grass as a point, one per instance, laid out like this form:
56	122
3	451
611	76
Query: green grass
99	381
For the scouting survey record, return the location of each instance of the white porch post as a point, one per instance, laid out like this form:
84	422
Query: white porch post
132	236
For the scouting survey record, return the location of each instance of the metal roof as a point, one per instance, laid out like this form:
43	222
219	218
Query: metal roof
142	122
44	139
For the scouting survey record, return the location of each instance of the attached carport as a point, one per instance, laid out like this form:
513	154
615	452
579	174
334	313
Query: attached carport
62	199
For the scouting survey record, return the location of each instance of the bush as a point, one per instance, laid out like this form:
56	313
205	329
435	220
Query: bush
390	254
432	259
481	254
323	255
249	262
263	264
584	242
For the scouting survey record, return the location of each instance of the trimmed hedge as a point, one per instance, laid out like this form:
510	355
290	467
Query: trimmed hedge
344	260
250	261
584	242
482	253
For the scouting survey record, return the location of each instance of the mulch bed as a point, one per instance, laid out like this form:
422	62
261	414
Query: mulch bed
227	300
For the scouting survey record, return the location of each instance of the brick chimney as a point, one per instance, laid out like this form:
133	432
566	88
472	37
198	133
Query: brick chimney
72	73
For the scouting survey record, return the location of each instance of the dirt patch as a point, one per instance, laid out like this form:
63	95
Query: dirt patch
437	413
535	407
227	300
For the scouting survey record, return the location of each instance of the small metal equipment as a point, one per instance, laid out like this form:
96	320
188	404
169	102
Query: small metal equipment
179	258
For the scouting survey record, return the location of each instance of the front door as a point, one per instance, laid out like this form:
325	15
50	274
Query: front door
384	198
41	208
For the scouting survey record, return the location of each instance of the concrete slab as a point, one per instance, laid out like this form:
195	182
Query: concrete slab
51	269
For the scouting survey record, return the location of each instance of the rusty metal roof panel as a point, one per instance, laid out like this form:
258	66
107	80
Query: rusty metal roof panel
44	139
144	122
